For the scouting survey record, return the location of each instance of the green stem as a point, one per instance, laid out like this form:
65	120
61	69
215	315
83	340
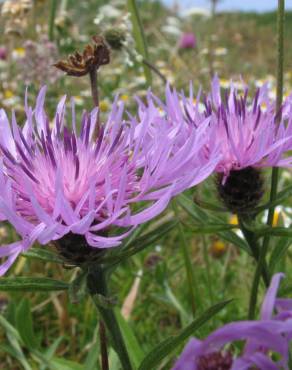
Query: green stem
150	65
103	346
208	270
255	249
187	262
53	11
97	285
275	170
139	36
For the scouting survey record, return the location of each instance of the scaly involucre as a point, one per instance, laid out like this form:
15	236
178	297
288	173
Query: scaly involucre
272	333
55	180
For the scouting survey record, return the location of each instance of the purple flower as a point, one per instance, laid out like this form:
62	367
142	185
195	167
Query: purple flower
245	131
248	132
187	41
271	334
3	53
57	182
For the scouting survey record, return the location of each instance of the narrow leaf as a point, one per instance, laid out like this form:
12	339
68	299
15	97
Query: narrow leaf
31	284
211	228
202	218
43	254
134	348
24	324
278	252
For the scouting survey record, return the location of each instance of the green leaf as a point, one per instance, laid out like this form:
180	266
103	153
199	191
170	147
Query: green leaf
92	359
78	288
202	218
278	252
22	284
43	254
15	342
139	36
24	324
169	345
185	318
141	243
192	209
273	231
209	206
281	196
104	302
134	348
211	228
62	364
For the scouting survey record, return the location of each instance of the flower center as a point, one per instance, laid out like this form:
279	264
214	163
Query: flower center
215	361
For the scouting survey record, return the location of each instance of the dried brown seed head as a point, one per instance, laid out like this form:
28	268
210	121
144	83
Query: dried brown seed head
93	56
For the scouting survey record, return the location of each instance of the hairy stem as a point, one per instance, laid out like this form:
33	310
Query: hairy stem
103	346
97	286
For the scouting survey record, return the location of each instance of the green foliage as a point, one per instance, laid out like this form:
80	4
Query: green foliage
22	284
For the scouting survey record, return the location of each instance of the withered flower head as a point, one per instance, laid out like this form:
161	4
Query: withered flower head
93	56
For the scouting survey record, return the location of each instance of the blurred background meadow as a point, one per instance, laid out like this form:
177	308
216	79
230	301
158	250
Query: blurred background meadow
186	41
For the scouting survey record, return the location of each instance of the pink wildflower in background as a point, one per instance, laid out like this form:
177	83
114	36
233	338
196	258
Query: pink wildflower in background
187	41
3	53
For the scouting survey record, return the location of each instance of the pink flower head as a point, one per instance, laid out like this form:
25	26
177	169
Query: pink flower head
3	53
187	41
272	333
248	131
55	180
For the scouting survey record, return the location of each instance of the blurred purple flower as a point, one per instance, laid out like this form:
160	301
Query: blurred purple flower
3	53
36	66
187	41
55	181
270	334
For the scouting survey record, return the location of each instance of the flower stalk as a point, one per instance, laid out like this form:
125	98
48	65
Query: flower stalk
275	170
97	286
53	12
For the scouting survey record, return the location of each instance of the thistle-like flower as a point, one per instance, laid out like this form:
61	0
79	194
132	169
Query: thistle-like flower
269	335
248	133
61	185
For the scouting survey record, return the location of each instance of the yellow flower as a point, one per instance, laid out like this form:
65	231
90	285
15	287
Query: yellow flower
19	52
233	220
8	94
276	218
218	248
124	97
104	106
